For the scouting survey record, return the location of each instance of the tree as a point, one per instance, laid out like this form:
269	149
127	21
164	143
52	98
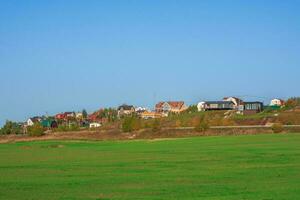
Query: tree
293	102
84	114
192	109
36	130
11	128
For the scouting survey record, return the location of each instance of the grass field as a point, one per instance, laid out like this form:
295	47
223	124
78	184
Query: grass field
230	167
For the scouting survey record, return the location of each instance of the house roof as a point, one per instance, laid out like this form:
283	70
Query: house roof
69	113
253	102
238	100
173	104
125	107
159	104
218	102
35	119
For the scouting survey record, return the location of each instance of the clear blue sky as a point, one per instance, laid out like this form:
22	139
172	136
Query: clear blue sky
68	55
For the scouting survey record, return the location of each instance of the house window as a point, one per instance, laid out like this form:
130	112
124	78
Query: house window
253	106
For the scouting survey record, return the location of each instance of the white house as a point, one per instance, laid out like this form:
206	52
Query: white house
201	106
33	120
95	125
79	115
277	102
30	122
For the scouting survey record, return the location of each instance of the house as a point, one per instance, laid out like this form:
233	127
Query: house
277	102
150	115
95	125
237	102
95	116
31	121
217	105
139	110
103	115
60	116
125	110
170	107
49	123
69	115
201	106
253	107
79	115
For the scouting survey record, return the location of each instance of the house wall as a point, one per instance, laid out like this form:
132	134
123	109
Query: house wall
29	122
201	106
276	102
252	108
95	125
218	106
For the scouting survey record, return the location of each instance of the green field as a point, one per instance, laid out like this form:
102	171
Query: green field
228	167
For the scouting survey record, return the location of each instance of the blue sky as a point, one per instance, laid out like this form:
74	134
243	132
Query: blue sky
69	55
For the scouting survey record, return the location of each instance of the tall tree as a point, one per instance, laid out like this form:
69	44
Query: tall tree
84	114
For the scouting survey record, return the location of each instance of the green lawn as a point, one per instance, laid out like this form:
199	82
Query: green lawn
261	167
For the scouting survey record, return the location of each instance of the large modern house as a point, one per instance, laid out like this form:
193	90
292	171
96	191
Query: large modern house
232	103
218	105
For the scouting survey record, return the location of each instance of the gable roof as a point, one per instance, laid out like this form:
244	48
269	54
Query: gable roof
235	100
172	104
253	102
219	102
35	119
126	107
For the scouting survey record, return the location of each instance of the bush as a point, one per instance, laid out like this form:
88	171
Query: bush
277	128
202	125
156	126
66	128
131	123
73	127
36	130
293	102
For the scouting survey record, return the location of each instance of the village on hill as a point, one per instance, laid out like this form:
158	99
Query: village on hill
230	107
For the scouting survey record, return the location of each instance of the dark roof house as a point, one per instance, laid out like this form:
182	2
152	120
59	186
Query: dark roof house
253	107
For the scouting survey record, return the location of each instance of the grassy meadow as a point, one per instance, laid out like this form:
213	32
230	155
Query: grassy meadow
255	167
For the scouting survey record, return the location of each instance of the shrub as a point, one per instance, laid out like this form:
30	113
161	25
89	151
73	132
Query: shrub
156	126
131	123
61	128
177	123
202	125
66	128
293	102
277	128
73	127
36	130
192	109
11	128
